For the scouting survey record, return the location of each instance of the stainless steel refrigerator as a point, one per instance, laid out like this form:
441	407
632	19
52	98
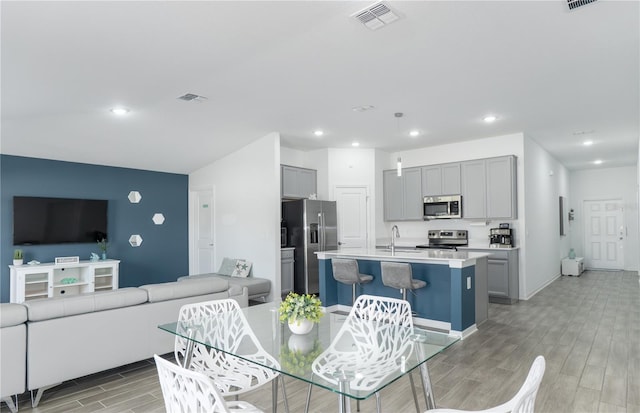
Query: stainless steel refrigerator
311	227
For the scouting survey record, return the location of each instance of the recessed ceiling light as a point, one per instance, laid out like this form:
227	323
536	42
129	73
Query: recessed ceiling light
119	111
355	144
318	132
587	143
362	108
490	118
597	161
414	133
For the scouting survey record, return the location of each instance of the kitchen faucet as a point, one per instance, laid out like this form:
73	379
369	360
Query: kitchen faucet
395	233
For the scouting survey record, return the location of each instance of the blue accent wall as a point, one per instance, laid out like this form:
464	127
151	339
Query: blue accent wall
164	253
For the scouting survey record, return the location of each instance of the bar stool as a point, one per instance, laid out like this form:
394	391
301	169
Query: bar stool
398	275
346	271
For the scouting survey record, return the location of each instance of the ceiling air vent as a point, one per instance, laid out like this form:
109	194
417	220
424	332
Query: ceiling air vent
578	3
376	16
189	97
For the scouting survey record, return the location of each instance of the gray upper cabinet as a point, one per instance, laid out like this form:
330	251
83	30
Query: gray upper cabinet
501	187
441	179
402	195
393	190
412	193
297	182
474	189
489	188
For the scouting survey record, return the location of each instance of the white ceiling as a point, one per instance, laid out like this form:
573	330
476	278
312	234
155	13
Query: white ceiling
292	67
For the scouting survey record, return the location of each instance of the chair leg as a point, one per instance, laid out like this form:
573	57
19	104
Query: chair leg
306	406
284	395
378	403
353	294
413	390
13	407
274	395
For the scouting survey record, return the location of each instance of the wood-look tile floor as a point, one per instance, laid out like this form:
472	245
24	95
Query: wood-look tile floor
587	328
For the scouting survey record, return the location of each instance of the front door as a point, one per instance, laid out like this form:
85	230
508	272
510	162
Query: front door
604	234
352	216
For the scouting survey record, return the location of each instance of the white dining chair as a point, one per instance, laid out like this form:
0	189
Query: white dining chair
191	391
523	402
372	327
221	323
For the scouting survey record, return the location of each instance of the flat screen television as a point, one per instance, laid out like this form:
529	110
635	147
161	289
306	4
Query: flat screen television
38	221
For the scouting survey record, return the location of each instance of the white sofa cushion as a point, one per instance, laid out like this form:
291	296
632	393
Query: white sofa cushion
56	307
174	290
12	314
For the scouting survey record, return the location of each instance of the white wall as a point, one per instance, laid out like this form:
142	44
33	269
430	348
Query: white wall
601	184
247	206
546	180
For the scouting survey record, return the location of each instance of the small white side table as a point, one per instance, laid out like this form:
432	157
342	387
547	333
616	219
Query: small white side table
573	266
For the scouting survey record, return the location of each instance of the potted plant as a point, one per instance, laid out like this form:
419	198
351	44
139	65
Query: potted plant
300	311
18	257
103	247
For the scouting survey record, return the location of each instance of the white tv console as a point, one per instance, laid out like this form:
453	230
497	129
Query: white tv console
30	282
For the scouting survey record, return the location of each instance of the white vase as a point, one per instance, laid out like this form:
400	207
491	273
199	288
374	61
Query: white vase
301	343
18	262
300	326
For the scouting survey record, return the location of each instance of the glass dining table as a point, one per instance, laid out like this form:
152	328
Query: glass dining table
353	364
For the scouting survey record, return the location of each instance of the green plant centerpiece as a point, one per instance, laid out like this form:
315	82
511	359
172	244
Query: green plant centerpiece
301	311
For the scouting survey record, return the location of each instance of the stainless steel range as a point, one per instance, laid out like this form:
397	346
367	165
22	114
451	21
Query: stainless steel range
446	239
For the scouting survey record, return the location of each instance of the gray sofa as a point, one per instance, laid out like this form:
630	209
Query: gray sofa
13	341
258	288
73	336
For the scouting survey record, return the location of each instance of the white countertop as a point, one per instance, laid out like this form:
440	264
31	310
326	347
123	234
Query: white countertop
287	248
454	259
486	247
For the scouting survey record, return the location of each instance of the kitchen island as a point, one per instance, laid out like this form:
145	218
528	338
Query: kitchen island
450	300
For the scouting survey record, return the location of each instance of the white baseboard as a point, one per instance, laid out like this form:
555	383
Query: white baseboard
545	285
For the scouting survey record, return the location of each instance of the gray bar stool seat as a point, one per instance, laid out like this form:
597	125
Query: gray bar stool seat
399	275
346	271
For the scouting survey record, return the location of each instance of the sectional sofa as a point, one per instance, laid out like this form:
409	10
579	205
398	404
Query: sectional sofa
63	338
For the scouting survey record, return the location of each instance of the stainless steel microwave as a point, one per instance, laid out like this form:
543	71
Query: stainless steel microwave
442	207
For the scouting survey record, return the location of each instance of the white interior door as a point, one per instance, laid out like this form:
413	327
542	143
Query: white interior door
351	205
604	234
203	234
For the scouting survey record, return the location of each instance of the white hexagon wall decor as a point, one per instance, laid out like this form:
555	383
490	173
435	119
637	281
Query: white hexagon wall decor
158	218
135	240
134	197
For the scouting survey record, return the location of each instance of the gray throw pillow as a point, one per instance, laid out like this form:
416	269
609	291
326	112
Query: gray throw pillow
227	266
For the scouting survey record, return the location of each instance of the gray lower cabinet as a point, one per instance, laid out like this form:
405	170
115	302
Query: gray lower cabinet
297	183
502	275
286	271
402	195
